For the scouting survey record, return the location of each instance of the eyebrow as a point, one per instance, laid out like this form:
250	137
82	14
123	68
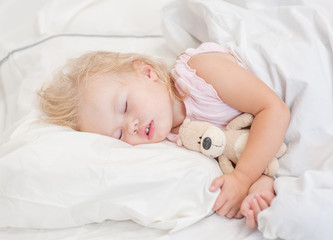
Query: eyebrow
118	102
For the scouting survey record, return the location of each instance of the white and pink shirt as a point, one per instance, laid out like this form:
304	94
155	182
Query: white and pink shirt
203	102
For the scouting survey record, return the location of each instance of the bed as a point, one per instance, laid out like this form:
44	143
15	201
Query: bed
56	183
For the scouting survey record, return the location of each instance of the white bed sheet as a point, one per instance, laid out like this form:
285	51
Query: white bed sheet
213	227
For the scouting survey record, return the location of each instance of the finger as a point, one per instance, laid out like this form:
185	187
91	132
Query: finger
239	214
262	203
232	212
245	206
220	201
216	184
268	197
255	207
250	220
224	209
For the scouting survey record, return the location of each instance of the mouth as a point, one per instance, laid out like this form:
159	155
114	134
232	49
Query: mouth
150	129
147	129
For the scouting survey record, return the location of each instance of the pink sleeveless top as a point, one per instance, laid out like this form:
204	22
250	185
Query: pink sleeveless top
203	102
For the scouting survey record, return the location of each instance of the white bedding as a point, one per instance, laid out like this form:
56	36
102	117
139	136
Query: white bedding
288	46
59	184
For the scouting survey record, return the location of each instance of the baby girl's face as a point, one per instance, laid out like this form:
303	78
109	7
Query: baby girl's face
134	108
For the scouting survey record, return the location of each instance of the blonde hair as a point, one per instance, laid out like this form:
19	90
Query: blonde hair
60	99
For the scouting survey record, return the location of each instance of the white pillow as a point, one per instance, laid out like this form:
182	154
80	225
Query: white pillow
130	17
54	177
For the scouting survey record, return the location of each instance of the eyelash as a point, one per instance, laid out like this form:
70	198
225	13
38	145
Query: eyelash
125	107
121	131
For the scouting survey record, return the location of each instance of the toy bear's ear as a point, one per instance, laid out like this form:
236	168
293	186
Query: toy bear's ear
244	120
186	122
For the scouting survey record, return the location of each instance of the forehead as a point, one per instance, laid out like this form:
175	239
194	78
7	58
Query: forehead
97	100
116	79
98	86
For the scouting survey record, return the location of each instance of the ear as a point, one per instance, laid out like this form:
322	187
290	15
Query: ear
146	70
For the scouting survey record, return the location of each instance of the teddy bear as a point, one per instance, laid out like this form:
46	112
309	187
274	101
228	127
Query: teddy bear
227	146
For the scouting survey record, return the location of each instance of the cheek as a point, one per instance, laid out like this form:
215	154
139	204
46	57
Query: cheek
164	102
131	142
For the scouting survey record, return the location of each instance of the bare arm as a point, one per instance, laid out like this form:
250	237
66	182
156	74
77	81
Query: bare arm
242	90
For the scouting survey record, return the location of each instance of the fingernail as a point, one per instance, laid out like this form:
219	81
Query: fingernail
262	194
212	188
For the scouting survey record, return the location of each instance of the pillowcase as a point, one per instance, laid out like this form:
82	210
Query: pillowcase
54	177
102	17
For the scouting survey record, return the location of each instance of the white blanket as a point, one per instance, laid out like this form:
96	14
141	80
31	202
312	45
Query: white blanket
289	47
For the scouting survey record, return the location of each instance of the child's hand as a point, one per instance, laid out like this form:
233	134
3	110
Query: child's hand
234	188
253	204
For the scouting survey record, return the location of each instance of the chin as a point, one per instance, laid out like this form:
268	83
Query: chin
158	139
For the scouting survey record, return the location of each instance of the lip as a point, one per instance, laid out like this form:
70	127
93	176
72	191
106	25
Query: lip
151	130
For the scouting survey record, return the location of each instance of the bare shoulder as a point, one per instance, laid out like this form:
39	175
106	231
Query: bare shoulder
200	60
234	84
217	67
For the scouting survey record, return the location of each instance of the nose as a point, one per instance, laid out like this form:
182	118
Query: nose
133	126
207	143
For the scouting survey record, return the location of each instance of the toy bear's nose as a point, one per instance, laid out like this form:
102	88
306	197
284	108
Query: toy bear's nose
206	143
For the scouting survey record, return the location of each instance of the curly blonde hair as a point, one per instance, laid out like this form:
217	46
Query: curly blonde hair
60	99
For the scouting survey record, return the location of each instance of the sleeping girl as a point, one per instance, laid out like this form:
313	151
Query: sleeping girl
134	98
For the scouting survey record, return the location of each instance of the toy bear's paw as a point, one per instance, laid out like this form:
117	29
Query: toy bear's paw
272	168
179	142
225	164
282	150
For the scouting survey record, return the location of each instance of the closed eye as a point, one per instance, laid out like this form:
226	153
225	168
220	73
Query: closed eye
125	110
121	134
121	131
118	133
